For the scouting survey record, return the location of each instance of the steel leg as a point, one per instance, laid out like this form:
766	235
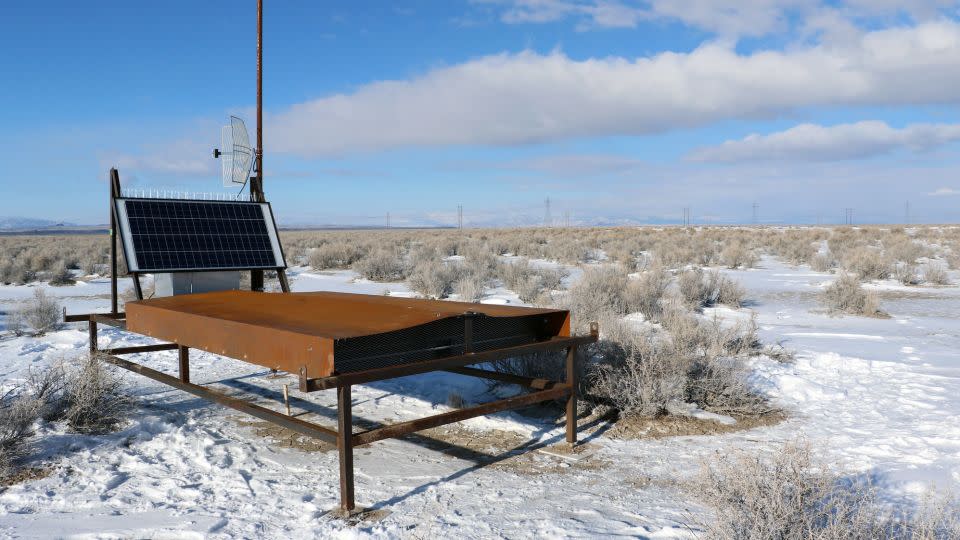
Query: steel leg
345	446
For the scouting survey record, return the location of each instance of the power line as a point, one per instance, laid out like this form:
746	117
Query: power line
848	216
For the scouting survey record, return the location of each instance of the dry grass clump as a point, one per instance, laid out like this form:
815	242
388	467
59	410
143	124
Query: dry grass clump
868	263
822	262
17	416
906	274
84	393
793	496
94	398
528	281
381	265
61	275
470	287
39	315
846	295
432	278
334	255
645	294
738	255
701	289
649	372
935	273
14	272
597	296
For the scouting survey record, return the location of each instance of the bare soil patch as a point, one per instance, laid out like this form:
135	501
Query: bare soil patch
25	475
633	427
286	438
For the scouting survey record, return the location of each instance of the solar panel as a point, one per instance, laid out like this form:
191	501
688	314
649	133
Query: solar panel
173	235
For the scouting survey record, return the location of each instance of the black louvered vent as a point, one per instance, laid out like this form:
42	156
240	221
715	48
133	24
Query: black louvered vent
437	339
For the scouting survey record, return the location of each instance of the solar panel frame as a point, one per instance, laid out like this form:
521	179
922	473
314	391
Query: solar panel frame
210	245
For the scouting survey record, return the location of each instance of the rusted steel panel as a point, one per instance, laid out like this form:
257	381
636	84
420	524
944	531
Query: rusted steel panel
262	345
331	333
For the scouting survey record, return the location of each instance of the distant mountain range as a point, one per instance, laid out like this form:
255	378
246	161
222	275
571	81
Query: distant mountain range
13	223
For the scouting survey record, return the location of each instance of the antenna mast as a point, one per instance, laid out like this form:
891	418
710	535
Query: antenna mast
256	187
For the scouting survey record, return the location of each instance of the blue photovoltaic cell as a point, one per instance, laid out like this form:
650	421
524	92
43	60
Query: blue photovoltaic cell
171	235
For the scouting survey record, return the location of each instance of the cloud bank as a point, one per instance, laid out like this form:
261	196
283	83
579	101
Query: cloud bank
525	98
810	142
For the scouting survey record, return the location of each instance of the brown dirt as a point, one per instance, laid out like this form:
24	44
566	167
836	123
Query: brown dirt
635	427
25	475
285	438
359	516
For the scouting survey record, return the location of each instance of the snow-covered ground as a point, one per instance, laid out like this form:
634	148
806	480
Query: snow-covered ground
881	397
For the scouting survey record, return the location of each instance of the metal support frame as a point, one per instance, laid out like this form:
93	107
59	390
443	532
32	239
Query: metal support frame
344	436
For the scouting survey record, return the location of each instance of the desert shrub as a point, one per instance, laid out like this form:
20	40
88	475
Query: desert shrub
90	264
48	388
432	278
550	365
903	248
61	275
906	274
42	314
867	263
514	274
381	265
597	295
470	287
17	416
728	291
792	496
638	375
822	262
935	273
334	255
16	272
648	372
644	294
846	295
94	397
15	322
551	279
720	384
705	289
738	256
455	401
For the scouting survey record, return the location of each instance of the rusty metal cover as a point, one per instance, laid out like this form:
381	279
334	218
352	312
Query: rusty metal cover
329	332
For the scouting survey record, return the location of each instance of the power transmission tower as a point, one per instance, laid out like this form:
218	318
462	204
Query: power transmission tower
755	208
546	214
460	217
848	216
906	213
566	219
686	217
388	220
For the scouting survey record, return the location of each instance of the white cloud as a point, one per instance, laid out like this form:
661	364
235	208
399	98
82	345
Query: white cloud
810	142
944	192
592	13
511	99
728	18
184	157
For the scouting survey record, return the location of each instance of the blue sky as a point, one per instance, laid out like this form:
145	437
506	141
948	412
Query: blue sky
618	111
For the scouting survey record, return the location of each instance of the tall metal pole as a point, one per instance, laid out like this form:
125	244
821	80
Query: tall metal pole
256	187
